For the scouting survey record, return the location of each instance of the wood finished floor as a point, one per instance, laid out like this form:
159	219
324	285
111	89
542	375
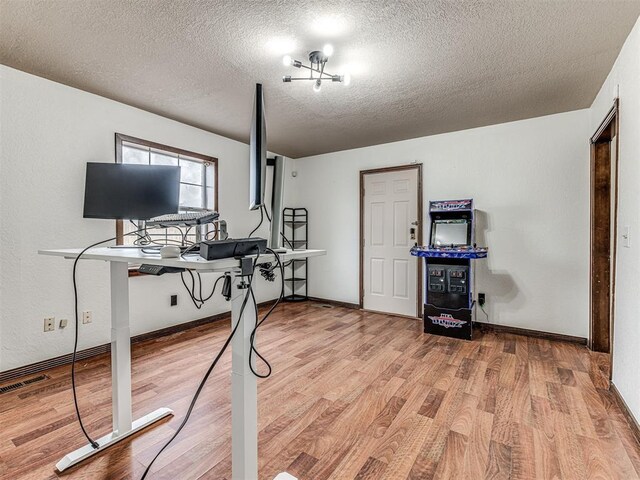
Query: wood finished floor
353	395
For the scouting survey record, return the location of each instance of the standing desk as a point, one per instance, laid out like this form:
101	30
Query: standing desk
244	387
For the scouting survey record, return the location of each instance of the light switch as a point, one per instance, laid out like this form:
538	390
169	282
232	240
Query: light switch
626	236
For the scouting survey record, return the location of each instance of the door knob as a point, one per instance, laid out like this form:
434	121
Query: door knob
414	223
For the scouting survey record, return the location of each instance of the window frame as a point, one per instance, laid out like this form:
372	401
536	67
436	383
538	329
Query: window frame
120	138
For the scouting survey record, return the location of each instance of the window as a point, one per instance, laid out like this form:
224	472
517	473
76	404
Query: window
198	184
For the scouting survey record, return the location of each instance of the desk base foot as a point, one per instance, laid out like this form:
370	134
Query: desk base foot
285	476
87	451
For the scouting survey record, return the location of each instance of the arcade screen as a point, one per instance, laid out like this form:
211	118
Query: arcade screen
450	232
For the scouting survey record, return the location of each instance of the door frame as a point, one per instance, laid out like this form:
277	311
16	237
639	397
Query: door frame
397	168
608	129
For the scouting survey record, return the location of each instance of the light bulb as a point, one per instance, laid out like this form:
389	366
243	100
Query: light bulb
346	79
287	60
317	85
327	50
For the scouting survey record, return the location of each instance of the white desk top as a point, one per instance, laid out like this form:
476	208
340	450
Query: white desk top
136	256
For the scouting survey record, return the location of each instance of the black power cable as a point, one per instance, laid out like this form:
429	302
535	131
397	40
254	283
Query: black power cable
93	443
258	323
266	213
198	301
208	373
281	233
259	224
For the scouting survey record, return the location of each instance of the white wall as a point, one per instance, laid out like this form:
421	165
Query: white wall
530	181
48	133
624	82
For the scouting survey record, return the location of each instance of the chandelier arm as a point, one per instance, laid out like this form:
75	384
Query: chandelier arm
325	75
322	69
315	70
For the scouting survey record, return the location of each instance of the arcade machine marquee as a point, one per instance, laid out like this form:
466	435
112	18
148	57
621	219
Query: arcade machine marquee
448	308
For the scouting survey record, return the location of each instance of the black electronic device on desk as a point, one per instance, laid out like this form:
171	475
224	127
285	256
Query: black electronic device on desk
230	248
448	308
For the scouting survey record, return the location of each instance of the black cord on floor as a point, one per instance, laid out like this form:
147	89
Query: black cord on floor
208	373
93	443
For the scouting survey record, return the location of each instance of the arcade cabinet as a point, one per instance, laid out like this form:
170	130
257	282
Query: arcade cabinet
448	308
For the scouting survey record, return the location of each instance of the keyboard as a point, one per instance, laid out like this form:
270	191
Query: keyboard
183	219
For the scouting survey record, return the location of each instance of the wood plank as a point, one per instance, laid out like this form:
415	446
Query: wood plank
476	456
353	395
499	466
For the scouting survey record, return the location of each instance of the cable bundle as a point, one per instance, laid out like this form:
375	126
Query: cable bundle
197	299
266	270
253	350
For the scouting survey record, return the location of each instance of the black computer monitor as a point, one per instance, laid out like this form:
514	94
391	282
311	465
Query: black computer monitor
136	192
257	152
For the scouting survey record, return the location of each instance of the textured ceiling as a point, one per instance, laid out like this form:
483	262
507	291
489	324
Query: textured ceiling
418	67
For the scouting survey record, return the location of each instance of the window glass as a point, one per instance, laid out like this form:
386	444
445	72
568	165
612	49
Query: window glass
135	155
191	172
210	171
163	159
191	196
197	187
211	199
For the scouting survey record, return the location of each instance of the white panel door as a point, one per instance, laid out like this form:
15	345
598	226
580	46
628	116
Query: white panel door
389	271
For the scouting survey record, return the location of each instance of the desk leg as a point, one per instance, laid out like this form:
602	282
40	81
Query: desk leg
244	393
120	349
123	426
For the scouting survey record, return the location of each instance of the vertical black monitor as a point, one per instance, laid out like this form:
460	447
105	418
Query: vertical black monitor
130	192
258	152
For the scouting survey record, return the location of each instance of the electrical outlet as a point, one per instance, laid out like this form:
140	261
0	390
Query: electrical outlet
174	300
626	236
63	323
87	317
49	324
481	299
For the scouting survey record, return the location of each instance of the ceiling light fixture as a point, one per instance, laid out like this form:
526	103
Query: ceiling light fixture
317	59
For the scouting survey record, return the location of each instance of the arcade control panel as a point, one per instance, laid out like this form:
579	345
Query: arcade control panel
463	251
448	279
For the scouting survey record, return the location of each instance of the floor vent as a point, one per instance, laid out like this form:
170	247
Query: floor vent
17	385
